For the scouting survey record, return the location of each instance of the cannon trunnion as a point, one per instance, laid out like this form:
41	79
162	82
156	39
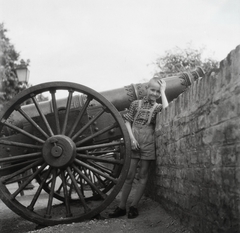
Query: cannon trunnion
75	145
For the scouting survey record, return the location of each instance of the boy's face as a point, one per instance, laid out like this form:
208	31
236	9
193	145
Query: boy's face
153	91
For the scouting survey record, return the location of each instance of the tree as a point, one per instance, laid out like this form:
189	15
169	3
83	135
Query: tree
9	60
184	60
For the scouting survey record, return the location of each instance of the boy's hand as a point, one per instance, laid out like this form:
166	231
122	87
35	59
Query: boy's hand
134	144
162	84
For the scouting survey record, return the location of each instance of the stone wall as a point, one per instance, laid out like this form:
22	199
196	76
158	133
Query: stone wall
196	176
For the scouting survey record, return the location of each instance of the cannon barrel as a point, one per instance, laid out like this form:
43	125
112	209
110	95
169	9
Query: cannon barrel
121	97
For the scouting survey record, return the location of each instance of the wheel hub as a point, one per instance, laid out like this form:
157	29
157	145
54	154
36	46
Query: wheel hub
59	151
56	151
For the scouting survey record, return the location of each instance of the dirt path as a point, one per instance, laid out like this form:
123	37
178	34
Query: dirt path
152	218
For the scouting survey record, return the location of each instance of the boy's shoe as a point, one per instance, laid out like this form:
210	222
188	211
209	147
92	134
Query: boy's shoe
118	212
133	212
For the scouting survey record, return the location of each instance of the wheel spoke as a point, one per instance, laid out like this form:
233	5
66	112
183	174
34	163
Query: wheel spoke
36	126
67	111
40	188
17	179
106	129
67	204
100	179
99	159
27	181
102	168
86	208
17	129
103	195
4	179
72	189
67	178
88	124
95	170
50	197
60	187
42	116
21	157
82	111
93	178
105	153
19	144
92	147
50	180
54	103
15	166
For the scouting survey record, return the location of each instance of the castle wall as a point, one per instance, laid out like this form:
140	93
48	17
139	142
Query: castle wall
196	176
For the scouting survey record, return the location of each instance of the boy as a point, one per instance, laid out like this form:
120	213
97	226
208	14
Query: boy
140	121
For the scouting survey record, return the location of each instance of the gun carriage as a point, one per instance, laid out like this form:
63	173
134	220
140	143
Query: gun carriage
75	146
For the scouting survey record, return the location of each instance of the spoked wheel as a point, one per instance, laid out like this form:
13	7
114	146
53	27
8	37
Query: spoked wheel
75	145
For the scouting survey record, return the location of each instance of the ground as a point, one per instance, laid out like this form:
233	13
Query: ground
152	218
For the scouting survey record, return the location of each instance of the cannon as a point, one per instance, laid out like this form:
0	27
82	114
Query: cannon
74	145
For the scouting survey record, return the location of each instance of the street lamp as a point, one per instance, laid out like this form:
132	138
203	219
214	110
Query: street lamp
22	72
19	73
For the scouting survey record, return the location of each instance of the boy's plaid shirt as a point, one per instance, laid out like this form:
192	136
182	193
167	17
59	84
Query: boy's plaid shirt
143	116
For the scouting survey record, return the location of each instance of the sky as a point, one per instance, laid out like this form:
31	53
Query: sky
108	44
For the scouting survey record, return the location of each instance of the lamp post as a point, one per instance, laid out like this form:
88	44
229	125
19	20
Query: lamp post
22	72
19	73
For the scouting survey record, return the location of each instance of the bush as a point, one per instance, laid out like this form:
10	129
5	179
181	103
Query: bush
184	60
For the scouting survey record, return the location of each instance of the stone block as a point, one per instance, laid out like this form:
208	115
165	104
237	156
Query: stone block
177	107
207	177
194	157
229	156
186	99
216	156
204	157
211	213
194	190
204	195
180	186
208	136
216	176
207	227
228	179
202	122
214	196
212	116
237	178
166	183
231	130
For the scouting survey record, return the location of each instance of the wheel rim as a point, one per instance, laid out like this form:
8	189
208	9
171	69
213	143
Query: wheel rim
79	168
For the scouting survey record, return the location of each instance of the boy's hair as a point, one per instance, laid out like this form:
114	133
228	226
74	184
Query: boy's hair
154	79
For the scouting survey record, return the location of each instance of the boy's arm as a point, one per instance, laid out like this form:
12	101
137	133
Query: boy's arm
162	84
164	99
134	143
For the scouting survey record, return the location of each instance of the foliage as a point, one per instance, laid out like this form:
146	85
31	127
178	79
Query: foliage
9	58
184	60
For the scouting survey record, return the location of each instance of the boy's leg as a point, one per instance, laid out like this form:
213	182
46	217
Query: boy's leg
126	189
143	176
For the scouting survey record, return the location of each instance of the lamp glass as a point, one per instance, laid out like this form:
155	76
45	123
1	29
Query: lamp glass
22	74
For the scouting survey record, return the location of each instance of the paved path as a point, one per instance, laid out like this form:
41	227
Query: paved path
152	218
